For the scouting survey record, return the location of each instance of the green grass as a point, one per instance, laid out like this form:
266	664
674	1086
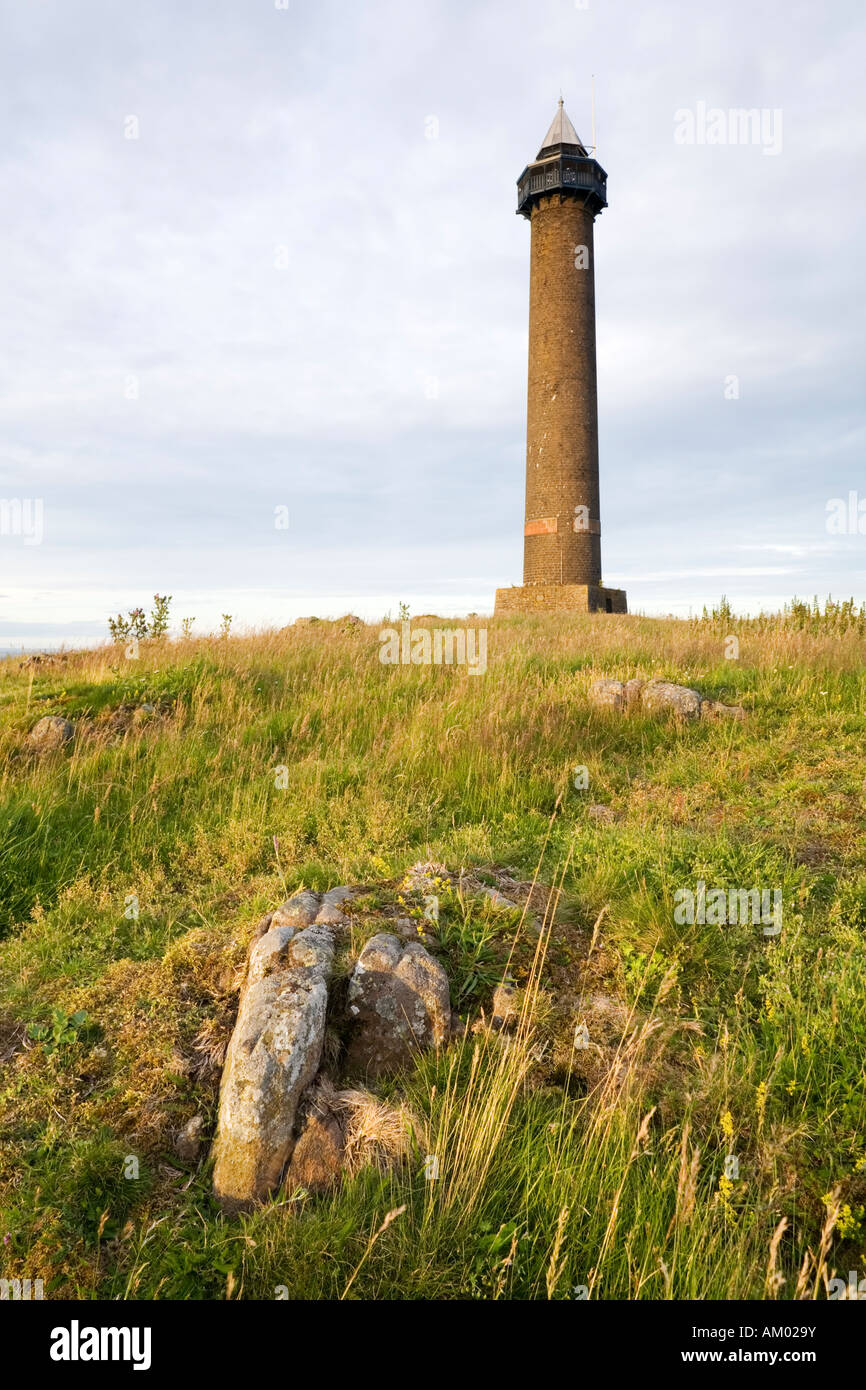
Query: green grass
558	1170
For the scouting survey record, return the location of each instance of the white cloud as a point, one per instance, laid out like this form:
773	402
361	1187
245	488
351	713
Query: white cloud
152	261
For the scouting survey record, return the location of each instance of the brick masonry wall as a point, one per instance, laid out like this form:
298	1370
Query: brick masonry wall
559	598
562	414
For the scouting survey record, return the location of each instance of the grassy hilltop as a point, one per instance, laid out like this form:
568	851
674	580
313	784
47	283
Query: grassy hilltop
561	1172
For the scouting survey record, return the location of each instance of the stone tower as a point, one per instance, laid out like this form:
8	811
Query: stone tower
561	193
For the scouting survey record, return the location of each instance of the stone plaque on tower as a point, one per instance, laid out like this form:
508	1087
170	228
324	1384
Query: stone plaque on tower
560	194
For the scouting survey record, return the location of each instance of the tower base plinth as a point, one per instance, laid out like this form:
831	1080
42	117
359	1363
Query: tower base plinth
559	598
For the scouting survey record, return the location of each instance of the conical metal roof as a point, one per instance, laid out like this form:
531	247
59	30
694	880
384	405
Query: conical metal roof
561	132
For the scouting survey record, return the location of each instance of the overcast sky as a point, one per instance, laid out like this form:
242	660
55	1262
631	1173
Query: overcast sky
303	286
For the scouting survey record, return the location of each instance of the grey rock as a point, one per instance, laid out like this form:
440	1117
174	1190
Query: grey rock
632	691
398	1002
51	732
188	1143
682	701
300	910
312	949
268	953
505	1007
330	911
143	714
272	1058
608	694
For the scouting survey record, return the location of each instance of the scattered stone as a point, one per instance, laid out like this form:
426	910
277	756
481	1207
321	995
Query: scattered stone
329	912
608	694
632	691
188	1143
714	709
664	695
51	732
272	1058
305	907
317	1158
268	953
505	1007
398	1002
41	659
300	910
653	696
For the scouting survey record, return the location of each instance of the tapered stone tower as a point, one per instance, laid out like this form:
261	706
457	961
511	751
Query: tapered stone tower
561	193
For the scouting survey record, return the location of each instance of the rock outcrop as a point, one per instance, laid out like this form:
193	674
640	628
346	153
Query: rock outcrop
609	694
51	732
273	1122
274	1054
651	697
305	908
398	1003
664	695
188	1141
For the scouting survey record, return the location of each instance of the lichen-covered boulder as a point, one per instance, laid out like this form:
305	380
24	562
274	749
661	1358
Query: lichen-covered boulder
304	908
268	954
632	691
398	1003
331	906
273	1056
298	911
652	697
678	699
51	732
608	694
